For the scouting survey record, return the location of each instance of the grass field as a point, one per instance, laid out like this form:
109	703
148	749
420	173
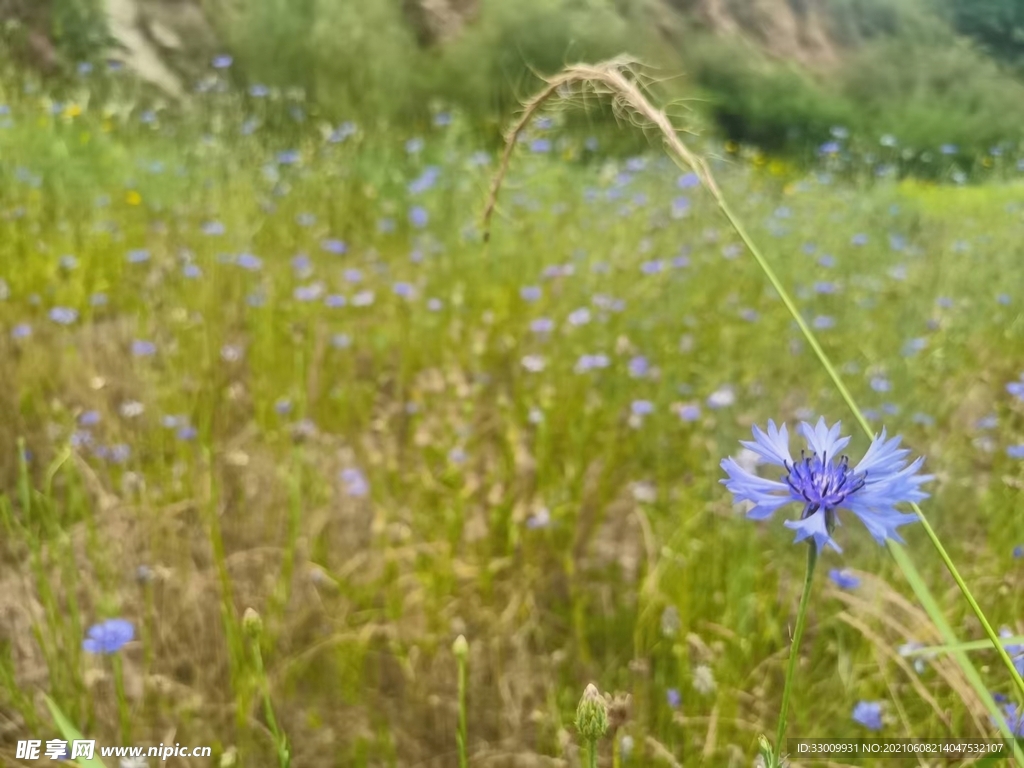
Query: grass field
257	364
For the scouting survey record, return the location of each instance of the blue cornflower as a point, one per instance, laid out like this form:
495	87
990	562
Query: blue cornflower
844	579
824	482
868	714
109	636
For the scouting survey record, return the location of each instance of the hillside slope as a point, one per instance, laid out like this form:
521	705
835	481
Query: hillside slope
776	73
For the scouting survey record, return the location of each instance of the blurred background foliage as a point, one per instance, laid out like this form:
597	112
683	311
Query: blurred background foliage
778	74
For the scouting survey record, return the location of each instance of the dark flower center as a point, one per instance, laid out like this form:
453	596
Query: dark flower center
823	484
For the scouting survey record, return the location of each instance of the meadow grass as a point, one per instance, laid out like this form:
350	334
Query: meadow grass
285	374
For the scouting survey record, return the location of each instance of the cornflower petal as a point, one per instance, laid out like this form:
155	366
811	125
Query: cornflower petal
825	442
814	526
772	446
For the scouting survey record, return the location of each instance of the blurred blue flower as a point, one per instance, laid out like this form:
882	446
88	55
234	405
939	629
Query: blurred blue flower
1015	451
63	315
1016	388
333	245
843	579
688	181
342	132
355	482
249	262
638	367
824	482
642	407
142	348
418	216
673	697
868	714
591	362
880	384
722	397
530	293
540	145
138	256
688	412
539	519
222	62
579	316
108	636
1014	719
824	322
425	180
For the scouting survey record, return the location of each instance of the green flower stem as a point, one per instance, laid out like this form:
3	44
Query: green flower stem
462	714
124	716
794	649
280	740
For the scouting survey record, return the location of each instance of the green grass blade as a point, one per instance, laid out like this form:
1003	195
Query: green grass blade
973	645
70	733
935	613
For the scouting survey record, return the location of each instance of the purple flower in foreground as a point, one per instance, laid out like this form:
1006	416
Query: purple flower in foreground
824	482
108	636
868	714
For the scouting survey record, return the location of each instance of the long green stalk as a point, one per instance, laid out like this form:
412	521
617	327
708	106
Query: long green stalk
794	649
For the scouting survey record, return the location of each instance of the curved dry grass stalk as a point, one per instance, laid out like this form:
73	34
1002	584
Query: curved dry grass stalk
620	80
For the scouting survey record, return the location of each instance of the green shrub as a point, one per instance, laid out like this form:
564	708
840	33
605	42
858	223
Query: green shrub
927	96
757	101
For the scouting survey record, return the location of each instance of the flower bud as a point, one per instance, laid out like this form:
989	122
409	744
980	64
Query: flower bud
252	624
592	715
460	648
